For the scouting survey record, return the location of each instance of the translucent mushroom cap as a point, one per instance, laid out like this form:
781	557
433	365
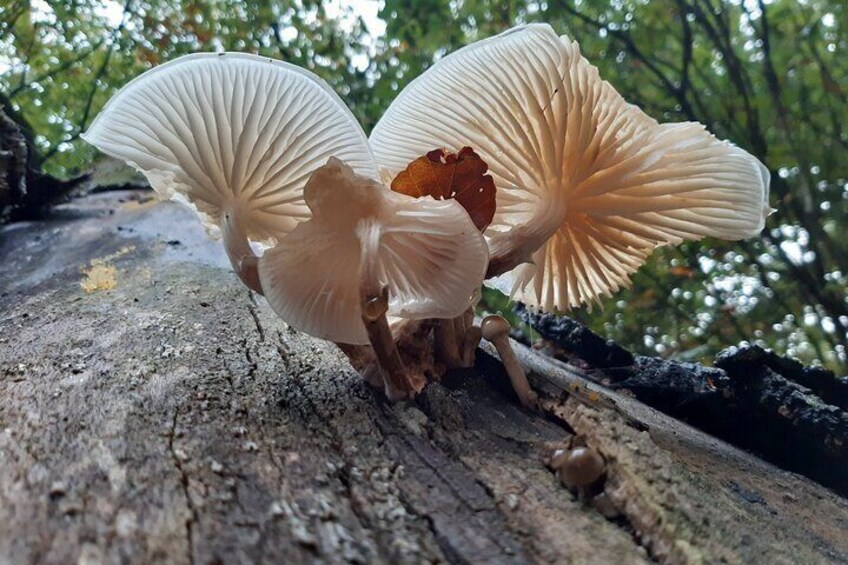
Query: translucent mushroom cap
232	132
427	253
587	184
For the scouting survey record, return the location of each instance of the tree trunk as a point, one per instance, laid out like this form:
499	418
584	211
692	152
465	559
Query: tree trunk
25	192
154	410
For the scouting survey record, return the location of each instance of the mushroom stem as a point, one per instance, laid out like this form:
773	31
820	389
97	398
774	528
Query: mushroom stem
374	301
469	337
510	249
446	341
456	340
496	330
242	258
461	324
395	381
473	335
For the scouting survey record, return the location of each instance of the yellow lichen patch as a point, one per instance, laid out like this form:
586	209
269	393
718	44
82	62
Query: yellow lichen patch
100	275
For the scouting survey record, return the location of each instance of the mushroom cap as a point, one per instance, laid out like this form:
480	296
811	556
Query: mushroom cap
427	252
580	467
494	327
232	132
587	184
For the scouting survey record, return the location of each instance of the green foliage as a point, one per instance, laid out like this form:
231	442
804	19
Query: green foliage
67	57
770	76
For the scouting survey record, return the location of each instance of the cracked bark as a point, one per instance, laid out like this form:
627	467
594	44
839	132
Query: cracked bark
184	483
275	450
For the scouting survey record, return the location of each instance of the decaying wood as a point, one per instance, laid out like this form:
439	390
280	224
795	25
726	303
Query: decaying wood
793	416
154	410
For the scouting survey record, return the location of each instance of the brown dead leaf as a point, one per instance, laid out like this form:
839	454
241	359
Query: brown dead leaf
680	271
461	176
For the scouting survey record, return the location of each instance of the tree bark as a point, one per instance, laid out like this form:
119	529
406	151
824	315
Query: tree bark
25	192
152	409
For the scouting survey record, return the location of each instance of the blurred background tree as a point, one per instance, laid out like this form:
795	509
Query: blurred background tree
770	76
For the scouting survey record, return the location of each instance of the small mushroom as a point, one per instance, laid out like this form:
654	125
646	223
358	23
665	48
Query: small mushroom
496	330
235	137
579	467
558	458
587	184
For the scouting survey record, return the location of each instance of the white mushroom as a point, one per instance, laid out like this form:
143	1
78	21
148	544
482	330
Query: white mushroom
366	253
426	252
236	136
265	151
587	184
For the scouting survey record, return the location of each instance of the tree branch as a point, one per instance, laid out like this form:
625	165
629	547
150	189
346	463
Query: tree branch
63	66
83	122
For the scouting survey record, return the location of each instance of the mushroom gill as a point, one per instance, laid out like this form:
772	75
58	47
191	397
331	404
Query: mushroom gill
587	184
236	136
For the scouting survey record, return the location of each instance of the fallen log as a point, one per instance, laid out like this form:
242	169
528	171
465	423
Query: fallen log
152	409
793	416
